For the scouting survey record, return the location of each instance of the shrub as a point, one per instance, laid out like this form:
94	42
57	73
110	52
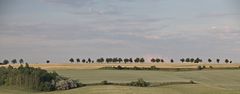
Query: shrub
119	67
153	68
203	67
210	67
199	67
67	84
105	82
140	83
192	82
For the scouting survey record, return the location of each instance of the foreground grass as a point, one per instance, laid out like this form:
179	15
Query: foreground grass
210	82
176	89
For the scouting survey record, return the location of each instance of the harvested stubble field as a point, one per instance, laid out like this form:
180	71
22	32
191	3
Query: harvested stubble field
159	65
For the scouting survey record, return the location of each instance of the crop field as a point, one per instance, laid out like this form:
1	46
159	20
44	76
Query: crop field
208	81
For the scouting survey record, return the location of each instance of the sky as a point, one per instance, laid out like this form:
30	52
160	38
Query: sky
57	30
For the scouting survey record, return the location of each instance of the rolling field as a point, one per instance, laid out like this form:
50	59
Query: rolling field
209	81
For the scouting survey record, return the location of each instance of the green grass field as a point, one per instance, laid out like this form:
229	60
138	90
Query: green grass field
209	82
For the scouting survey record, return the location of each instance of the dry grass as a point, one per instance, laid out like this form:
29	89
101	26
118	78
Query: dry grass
96	66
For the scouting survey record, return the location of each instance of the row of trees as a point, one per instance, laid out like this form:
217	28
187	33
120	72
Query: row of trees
142	60
13	61
109	60
124	60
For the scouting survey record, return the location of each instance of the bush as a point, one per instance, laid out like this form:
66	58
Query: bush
199	67
153	68
210	67
140	83
105	82
119	67
192	82
67	84
203	67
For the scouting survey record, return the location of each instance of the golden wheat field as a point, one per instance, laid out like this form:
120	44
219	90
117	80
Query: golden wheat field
96	66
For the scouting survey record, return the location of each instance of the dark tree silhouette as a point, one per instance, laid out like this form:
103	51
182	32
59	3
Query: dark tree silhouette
48	61
226	60
5	61
130	60
126	60
108	60
182	60
83	60
153	60
71	60
218	60
21	61
120	60
162	60
115	60
209	60
142	60
230	62
171	60
188	60
192	60
137	60
157	60
78	60
14	61
197	60
100	60
89	60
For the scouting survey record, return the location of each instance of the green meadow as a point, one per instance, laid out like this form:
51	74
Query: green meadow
208	82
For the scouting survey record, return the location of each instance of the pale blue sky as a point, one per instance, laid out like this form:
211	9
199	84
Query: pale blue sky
37	30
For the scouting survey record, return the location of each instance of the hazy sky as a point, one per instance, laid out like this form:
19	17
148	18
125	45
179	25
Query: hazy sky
37	30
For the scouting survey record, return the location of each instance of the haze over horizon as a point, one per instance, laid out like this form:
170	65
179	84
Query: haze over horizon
57	30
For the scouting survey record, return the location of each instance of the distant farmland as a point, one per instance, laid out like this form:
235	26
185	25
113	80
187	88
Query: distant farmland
159	65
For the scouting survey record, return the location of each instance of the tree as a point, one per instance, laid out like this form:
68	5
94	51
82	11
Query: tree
14	61
142	60
89	60
71	60
125	60
153	60
130	60
21	61
83	60
226	60
192	60
137	60
188	60
197	60
78	60
171	60
5	61
182	60
115	60
158	60
230	62
209	60
48	61
100	60
162	60
218	60
120	60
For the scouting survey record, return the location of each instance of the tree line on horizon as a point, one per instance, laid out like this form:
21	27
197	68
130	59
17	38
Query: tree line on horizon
142	60
126	60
